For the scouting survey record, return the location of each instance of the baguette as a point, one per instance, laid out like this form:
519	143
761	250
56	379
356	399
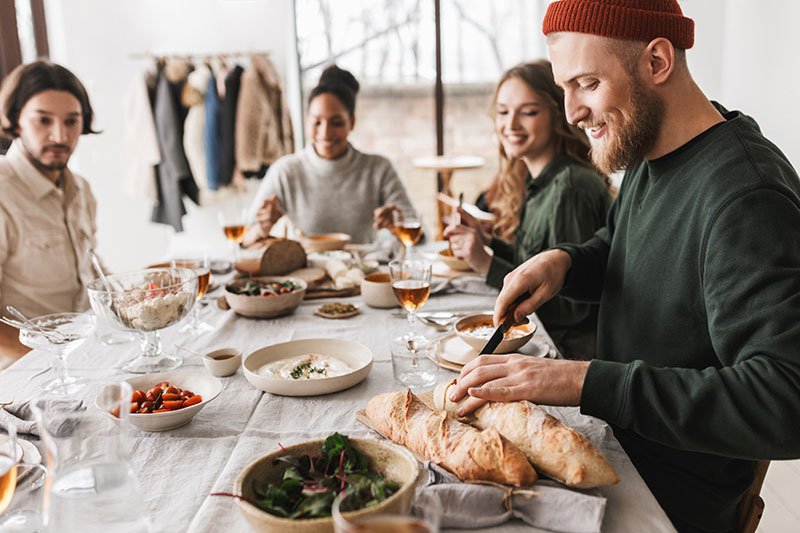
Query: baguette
470	454
552	448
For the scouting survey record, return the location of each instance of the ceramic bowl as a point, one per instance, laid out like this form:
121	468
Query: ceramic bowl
376	291
196	381
266	306
325	241
453	262
391	461
223	362
356	355
508	344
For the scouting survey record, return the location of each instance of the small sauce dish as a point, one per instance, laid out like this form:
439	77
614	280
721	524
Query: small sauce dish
223	362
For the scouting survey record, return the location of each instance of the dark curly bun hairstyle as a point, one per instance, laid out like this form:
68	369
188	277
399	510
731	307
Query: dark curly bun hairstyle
341	84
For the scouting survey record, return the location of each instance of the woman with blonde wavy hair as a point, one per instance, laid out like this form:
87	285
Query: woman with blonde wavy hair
547	192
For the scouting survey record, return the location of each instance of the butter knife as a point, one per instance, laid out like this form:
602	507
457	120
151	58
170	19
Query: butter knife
504	326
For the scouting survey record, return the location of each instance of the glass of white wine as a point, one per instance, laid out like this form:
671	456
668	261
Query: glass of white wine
201	267
18	480
378	523
234	225
408	229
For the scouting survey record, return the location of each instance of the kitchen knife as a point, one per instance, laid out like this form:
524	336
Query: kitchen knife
504	326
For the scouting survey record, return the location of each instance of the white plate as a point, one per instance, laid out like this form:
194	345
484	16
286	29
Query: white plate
196	381
356	355
454	350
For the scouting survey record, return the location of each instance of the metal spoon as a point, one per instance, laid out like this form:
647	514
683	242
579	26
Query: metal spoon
52	335
99	269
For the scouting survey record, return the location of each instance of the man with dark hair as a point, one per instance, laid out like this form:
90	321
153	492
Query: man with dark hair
697	271
47	213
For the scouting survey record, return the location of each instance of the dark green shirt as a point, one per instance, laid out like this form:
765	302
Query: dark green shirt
568	202
698	275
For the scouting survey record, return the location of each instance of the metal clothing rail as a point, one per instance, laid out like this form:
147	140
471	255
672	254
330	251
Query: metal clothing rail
197	57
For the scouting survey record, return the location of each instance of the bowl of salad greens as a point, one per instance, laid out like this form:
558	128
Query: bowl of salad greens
265	297
292	489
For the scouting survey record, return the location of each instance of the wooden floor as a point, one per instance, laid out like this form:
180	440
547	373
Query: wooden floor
781	494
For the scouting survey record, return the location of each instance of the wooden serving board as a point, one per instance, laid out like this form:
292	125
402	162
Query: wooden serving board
322	292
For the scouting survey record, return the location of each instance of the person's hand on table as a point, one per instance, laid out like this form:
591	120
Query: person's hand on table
383	217
512	377
466	244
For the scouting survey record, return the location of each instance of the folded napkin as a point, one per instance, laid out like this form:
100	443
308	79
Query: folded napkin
545	505
20	415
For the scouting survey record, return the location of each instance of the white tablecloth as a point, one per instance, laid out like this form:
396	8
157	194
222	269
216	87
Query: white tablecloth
179	468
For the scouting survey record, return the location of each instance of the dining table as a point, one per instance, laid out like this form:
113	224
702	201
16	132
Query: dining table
178	470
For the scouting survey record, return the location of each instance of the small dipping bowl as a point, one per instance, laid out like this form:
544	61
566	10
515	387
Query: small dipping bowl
223	362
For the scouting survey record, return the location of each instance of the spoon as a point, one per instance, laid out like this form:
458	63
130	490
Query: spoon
51	335
99	269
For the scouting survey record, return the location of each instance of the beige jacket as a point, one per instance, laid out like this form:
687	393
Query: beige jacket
263	125
45	236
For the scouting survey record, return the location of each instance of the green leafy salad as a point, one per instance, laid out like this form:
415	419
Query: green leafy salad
263	288
309	485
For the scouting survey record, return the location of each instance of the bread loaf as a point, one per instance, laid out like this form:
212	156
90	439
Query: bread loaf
470	454
272	257
553	448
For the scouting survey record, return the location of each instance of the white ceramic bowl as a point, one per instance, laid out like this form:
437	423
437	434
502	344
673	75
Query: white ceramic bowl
223	362
266	306
391	461
196	381
356	355
506	345
376	291
325	241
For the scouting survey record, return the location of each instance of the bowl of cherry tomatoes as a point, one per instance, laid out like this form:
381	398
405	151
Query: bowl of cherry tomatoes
168	400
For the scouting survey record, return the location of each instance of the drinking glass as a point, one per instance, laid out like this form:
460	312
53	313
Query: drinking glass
18	482
147	301
378	523
202	268
407	228
59	334
234	225
91	486
411	283
412	367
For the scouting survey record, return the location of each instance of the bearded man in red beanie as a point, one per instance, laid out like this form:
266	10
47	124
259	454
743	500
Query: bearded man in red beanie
697	271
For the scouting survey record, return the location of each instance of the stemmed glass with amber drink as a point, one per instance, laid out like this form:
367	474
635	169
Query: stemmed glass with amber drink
234	225
201	267
407	228
18	478
411	283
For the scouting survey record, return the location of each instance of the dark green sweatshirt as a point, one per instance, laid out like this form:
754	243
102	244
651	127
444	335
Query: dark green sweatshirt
698	275
567	202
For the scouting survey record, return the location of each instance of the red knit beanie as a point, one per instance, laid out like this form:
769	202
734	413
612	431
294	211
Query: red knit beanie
633	20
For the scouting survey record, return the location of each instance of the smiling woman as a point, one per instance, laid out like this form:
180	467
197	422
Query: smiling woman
330	186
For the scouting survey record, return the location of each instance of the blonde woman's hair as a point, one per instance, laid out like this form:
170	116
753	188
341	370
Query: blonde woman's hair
508	188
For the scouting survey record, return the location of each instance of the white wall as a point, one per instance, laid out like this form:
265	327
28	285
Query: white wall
95	38
744	57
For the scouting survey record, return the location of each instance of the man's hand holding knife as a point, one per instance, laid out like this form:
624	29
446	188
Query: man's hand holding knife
511	377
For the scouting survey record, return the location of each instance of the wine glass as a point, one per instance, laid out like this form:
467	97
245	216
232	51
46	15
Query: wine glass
407	228
234	225
147	301
18	506
378	523
202	268
59	334
411	283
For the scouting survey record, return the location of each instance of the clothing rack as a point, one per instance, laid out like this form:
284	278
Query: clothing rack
197	57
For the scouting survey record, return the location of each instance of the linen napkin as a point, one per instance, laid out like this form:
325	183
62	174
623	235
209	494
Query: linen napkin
545	505
20	415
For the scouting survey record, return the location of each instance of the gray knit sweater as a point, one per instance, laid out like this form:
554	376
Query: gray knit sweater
333	195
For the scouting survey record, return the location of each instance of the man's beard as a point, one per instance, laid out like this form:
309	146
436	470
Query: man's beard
634	136
47	167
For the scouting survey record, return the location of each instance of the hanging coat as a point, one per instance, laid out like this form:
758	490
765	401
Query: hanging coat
228	126
212	134
174	176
